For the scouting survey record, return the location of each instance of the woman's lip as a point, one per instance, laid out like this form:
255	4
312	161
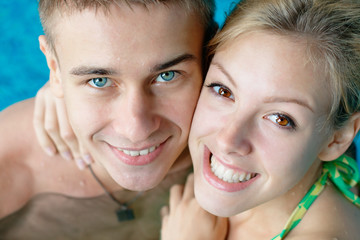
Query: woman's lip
139	160
217	182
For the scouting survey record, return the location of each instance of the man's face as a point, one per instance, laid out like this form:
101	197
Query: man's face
131	79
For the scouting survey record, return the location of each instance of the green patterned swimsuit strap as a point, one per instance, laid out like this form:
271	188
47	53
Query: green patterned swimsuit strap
343	172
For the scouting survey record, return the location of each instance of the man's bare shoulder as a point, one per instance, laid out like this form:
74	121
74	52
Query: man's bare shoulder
16	139
26	170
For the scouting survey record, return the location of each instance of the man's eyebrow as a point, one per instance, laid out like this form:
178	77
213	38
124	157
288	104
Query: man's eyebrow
85	70
182	58
288	100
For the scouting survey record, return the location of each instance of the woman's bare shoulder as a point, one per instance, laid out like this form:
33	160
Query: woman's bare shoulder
332	216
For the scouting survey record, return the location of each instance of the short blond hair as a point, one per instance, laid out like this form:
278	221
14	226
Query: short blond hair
331	29
204	9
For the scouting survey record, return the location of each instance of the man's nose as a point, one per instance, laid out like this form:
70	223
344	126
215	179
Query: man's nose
137	117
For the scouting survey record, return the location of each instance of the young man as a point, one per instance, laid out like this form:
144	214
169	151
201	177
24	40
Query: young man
130	73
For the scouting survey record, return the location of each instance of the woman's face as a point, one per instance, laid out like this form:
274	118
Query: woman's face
258	126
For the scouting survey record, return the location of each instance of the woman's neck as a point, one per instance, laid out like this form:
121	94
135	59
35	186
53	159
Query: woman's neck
268	219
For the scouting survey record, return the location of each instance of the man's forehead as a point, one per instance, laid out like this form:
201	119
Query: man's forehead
136	17
95	41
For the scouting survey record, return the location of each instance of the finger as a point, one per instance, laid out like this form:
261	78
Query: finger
189	187
66	132
85	154
176	193
38	122
222	224
164	224
164	211
52	128
68	135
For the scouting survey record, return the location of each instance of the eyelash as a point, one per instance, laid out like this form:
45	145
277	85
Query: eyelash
291	122
213	85
108	80
176	73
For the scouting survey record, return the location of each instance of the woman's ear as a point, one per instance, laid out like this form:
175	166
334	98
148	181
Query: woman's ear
341	139
52	62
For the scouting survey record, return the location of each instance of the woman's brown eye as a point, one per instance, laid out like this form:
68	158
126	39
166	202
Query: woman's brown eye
221	90
224	92
283	121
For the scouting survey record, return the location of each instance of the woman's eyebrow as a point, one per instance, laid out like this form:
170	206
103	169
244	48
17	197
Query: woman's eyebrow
223	70
288	100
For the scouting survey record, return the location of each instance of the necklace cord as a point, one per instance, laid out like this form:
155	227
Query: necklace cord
123	205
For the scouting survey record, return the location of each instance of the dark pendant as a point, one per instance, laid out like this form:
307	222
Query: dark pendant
125	214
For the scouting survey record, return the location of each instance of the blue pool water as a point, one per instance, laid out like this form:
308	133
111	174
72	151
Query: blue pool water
23	67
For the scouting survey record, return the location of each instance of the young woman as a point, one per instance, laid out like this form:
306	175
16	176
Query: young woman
279	107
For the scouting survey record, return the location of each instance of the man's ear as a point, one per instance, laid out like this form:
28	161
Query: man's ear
55	80
341	139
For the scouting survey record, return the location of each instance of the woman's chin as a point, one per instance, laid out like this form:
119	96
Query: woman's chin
214	203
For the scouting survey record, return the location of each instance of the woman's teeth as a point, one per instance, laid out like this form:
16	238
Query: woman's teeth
227	174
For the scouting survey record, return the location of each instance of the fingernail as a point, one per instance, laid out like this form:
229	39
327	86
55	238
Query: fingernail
50	151
88	159
66	155
80	163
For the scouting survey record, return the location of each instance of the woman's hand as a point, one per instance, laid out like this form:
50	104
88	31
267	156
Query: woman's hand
185	219
53	130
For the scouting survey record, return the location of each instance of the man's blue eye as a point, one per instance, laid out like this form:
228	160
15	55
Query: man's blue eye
100	82
166	76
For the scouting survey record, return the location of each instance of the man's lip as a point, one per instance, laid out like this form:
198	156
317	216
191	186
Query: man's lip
218	183
138	160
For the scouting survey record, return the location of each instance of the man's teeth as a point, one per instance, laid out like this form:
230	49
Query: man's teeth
229	175
139	153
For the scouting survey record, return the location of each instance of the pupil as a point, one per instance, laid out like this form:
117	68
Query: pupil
282	121
167	75
100	81
223	92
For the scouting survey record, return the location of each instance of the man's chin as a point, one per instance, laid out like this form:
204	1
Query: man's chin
138	182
